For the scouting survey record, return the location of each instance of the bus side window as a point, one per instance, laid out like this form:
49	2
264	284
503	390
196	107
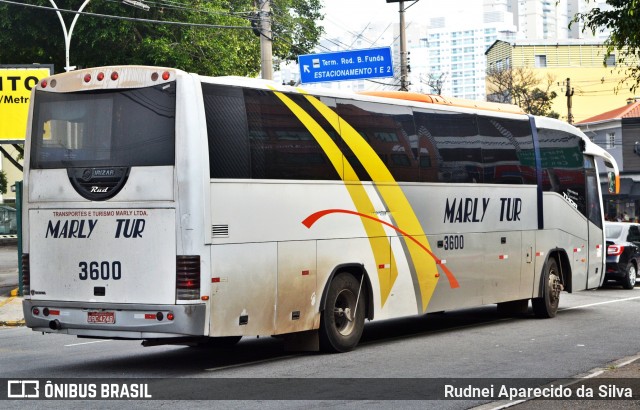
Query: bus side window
563	167
284	145
452	144
227	131
390	132
507	151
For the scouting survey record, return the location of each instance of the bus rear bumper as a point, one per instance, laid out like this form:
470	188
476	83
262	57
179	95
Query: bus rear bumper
112	320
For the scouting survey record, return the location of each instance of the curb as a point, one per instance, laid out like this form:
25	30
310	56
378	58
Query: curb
4	302
590	374
12	323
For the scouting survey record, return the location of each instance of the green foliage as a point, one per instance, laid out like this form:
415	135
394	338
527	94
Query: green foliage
29	35
621	19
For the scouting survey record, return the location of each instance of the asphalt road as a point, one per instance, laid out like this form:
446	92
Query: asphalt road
592	329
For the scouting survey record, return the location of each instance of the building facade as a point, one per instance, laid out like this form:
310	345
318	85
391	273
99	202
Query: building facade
618	131
594	86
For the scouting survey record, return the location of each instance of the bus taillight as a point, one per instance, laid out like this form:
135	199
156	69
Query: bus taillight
188	277
26	275
165	75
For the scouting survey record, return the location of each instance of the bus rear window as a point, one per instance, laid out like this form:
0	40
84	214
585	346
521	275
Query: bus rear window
104	128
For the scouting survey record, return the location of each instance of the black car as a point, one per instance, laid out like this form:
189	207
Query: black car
623	252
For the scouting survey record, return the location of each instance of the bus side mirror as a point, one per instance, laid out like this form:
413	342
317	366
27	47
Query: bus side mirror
614	184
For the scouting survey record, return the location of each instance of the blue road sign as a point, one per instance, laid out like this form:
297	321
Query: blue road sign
346	65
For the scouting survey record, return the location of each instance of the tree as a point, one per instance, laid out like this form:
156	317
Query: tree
522	87
621	18
29	35
435	81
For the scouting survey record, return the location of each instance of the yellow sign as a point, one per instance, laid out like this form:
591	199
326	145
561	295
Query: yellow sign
15	93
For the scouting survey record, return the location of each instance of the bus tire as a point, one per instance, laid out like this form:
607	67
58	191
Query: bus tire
547	305
340	329
513	307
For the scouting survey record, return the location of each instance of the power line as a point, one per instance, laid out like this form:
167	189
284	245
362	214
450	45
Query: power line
179	6
109	16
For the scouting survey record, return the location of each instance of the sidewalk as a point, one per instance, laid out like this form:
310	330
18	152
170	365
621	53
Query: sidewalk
10	303
11	311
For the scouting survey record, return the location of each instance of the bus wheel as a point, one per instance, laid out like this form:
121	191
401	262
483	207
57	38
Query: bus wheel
513	307
629	281
547	305
342	322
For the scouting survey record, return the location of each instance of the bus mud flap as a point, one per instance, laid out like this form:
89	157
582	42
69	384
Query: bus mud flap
308	341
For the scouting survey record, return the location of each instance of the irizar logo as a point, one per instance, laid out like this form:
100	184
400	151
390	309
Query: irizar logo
97	189
89	173
101	172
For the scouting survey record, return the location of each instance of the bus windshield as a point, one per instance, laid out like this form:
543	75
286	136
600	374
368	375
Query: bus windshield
125	127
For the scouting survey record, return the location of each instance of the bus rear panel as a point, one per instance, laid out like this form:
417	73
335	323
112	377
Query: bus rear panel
101	210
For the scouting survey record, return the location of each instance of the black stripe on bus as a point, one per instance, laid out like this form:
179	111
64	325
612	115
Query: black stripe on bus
538	160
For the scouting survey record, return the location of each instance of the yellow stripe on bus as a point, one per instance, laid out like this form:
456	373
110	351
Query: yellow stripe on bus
399	206
385	262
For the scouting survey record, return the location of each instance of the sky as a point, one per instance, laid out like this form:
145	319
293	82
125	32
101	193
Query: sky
351	15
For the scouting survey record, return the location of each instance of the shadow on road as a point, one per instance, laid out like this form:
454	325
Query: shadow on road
175	361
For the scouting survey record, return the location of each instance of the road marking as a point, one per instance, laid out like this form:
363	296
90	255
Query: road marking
88	343
505	405
594	374
600	303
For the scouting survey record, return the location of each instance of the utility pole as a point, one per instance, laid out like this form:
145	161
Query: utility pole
569	94
404	69
266	38
404	86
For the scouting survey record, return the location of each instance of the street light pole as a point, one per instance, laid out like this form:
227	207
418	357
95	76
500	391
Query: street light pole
67	35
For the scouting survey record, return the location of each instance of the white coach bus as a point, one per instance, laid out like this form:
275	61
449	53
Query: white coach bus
176	208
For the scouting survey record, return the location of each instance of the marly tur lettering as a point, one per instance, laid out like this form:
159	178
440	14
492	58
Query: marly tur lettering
71	228
463	210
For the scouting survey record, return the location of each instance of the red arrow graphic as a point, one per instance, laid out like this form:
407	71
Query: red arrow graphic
311	219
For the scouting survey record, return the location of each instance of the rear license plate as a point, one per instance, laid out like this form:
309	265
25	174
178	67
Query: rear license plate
107	318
